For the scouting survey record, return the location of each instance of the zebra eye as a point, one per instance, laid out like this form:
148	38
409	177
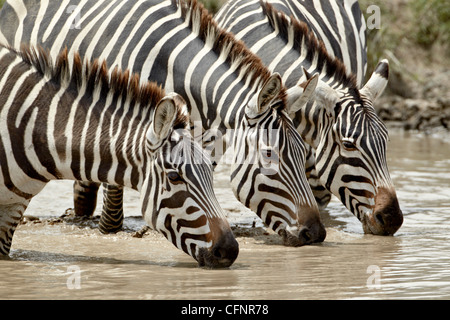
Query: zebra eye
174	177
348	145
269	155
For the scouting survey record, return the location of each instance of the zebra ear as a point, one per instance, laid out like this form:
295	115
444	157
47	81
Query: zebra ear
299	95
326	97
268	93
378	81
163	118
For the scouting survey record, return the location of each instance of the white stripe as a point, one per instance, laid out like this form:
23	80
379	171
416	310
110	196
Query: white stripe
59	42
71	122
137	25
148	64
169	85
29	149
287	47
62	165
29	99
343	39
100	31
241	34
232	14
55	19
204	86
188	78
259	45
97	152
13	168
37	23
113	41
84	32
83	137
244	16
21	11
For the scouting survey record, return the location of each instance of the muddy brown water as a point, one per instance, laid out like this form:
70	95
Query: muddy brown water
64	260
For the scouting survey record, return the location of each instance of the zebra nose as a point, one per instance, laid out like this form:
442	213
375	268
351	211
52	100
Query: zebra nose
306	235
222	254
315	233
225	251
387	217
386	222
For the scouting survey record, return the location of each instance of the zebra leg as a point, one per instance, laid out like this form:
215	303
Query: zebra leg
111	220
10	216
85	197
322	195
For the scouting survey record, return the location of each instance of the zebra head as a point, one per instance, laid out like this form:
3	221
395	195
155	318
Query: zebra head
351	153
265	174
178	197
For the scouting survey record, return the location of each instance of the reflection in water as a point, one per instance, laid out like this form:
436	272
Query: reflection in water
415	263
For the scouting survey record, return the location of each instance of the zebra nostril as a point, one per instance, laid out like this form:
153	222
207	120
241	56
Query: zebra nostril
305	235
224	252
218	253
380	218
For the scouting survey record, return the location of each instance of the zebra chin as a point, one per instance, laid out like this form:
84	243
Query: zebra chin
221	255
386	217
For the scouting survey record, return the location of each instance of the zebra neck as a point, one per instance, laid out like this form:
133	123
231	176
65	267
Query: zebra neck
92	137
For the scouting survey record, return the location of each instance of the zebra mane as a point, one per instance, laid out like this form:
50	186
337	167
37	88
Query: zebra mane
233	51
333	66
95	76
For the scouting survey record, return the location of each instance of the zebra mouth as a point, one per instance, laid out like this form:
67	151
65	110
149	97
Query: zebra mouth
366	222
211	259
303	235
290	240
372	224
221	255
379	224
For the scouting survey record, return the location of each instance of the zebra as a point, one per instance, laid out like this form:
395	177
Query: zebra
341	126
233	98
316	15
96	125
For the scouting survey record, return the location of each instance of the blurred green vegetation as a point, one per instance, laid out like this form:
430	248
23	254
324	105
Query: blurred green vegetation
406	27
434	17
212	5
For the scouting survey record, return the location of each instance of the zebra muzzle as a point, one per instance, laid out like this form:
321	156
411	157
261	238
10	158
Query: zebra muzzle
303	236
222	254
386	217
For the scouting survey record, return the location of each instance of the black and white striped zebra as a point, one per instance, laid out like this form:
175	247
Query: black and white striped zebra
93	125
347	136
178	45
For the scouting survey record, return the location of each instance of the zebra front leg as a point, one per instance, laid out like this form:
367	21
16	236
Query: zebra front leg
111	220
85	197
10	216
